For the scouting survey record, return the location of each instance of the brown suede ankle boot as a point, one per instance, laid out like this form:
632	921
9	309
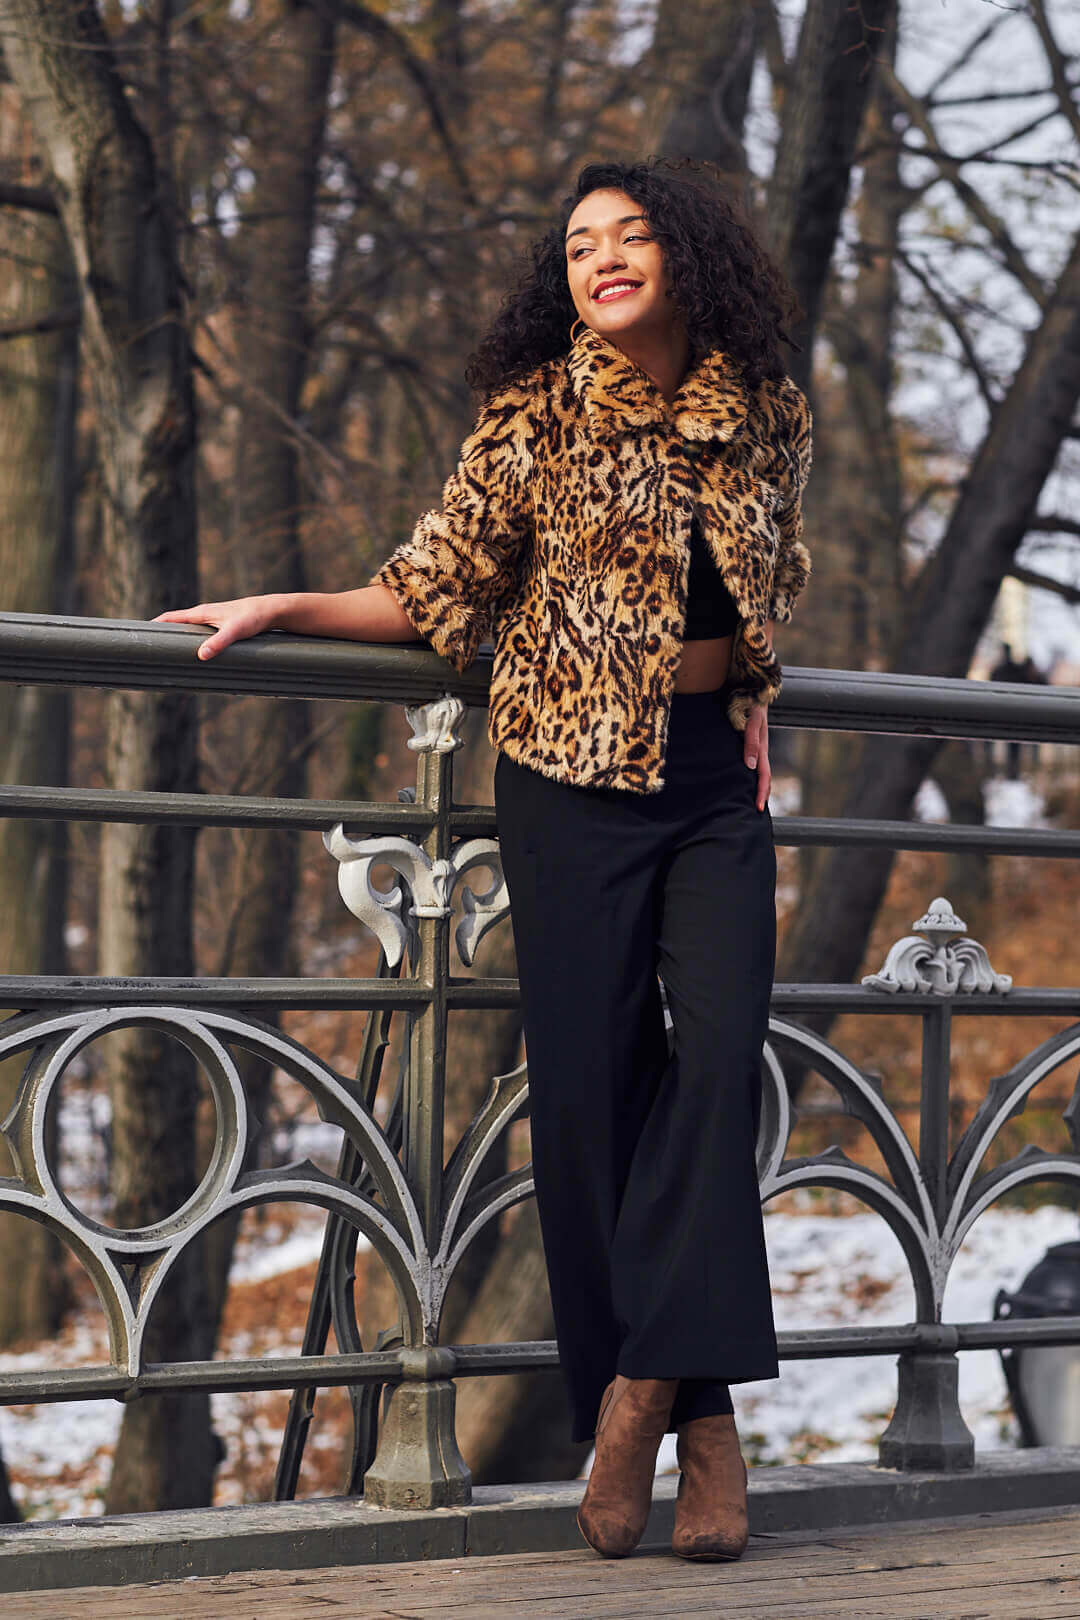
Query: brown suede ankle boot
710	1507
632	1422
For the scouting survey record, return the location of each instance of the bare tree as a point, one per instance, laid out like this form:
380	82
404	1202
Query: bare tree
120	232
38	330
950	608
38	337
948	605
273	348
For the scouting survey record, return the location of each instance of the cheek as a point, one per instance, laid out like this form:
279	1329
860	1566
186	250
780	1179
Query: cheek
663	273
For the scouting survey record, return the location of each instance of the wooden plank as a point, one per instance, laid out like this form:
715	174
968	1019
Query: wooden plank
987	1603
996	1568
1030	1600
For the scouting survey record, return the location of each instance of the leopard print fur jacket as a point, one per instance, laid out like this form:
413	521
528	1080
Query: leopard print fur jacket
565	534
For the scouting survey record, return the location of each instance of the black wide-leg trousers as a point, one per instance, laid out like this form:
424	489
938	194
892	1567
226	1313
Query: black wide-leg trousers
645	1163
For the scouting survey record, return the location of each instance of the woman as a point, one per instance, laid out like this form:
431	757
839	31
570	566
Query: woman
625	518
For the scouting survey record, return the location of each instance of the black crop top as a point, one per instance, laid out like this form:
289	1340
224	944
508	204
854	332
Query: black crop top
710	608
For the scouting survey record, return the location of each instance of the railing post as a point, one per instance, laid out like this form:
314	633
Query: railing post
417	1463
927	1428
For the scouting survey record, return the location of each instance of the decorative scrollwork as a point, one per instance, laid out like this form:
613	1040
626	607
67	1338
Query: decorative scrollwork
930	1233
940	964
483	908
381	910
430	883
435	725
1007	1096
129	1268
465	1216
904	1202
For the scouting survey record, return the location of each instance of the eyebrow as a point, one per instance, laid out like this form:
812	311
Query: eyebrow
583	229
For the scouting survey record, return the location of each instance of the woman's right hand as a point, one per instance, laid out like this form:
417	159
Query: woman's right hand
234	621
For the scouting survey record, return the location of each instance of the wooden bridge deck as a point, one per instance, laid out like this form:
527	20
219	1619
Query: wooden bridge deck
1019	1566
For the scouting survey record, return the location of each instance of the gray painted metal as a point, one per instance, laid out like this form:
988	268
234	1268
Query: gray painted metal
28	991
233	810
392	1185
49	648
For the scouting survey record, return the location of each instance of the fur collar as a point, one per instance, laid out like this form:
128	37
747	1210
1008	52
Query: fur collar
712	401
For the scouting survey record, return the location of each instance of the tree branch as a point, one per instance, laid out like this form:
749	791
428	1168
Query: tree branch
977	207
1066	98
61	319
1043	582
377	28
971	49
953	319
1054	523
39	199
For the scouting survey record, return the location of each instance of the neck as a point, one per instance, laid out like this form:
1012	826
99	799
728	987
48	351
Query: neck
662	356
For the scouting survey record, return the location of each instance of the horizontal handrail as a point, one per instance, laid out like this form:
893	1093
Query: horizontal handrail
478	995
477	821
40	648
497	1360
420	1212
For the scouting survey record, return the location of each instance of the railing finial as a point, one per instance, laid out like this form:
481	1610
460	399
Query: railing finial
941	964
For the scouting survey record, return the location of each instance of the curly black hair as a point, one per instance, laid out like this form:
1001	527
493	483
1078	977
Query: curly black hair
728	291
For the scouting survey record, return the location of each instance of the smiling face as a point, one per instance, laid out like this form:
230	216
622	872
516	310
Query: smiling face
615	269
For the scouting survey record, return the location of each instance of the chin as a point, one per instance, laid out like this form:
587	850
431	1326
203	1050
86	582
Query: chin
615	327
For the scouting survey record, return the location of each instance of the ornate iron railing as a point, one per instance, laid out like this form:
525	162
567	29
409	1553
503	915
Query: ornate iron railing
391	1185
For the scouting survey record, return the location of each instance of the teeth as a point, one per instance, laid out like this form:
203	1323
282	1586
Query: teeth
622	286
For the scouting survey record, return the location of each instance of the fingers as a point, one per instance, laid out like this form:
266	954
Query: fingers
191	615
757	753
224	636
756	743
229	626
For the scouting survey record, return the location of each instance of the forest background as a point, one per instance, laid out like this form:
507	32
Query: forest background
245	249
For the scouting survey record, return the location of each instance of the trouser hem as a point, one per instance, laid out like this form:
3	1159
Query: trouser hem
762	1370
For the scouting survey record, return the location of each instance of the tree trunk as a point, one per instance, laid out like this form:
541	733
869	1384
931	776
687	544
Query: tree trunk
960	772
37	423
120	232
855	501
951	605
267	552
705	57
822	115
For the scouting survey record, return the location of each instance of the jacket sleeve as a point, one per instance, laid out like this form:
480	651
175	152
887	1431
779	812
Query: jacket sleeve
462	561
793	567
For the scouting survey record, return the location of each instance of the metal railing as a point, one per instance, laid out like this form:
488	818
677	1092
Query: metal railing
391	1184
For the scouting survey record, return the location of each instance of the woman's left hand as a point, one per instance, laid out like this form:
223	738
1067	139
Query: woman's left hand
756	751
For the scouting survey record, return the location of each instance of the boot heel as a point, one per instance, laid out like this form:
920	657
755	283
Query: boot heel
633	1420
711	1522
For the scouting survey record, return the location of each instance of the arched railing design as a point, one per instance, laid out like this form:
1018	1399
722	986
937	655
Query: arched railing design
391	1185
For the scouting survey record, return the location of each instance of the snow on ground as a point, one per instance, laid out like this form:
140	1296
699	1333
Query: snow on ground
849	1270
59	1453
1013	804
827	1270
299	1248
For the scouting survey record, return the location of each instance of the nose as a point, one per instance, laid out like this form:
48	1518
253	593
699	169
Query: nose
612	259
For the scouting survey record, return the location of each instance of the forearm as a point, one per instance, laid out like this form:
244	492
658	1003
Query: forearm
370	613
